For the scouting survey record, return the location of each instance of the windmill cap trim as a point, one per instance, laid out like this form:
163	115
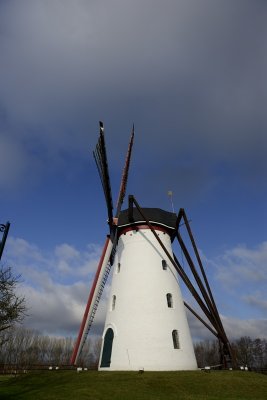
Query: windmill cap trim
156	216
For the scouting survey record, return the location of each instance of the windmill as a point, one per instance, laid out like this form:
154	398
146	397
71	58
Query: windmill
146	325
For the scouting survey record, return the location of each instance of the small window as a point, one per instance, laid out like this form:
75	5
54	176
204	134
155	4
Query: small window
113	302
164	264
118	268
169	300
175	339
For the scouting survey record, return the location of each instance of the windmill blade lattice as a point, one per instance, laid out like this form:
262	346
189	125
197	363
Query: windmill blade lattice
101	160
109	249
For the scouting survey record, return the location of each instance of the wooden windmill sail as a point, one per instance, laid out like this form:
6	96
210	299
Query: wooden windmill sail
146	325
109	249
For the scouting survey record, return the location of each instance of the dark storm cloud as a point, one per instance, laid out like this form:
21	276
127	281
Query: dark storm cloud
190	74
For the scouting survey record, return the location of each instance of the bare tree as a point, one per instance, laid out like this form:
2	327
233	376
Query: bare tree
207	353
260	353
244	351
12	306
96	349
249	352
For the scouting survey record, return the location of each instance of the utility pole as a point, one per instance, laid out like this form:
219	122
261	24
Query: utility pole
4	229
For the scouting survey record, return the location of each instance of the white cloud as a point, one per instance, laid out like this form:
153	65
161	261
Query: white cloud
65	256
256	301
63	262
242	274
66	252
23	251
234	328
58	309
56	285
238	281
243	270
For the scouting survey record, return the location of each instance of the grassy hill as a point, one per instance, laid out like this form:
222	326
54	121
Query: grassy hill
57	385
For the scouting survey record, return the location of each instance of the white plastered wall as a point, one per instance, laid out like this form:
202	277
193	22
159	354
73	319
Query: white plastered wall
141	321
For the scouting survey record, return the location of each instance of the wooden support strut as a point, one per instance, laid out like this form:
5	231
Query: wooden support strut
176	265
202	268
211	312
201	320
203	291
211	303
193	291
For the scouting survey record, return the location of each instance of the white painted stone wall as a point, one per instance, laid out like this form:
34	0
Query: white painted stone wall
141	321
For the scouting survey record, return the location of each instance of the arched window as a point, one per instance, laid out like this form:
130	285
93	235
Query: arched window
169	300
164	264
113	303
118	268
175	339
107	349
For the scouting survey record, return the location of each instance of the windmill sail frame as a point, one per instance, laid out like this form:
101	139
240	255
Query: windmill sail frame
107	257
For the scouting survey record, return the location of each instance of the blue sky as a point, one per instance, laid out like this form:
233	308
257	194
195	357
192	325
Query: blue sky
191	75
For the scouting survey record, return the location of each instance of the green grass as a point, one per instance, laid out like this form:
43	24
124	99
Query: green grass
57	385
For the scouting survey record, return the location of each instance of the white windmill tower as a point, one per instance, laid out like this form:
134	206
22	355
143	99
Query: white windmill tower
146	325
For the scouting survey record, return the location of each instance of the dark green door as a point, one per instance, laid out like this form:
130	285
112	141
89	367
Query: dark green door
107	349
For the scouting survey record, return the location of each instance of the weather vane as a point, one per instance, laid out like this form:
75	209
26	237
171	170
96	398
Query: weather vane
170	194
